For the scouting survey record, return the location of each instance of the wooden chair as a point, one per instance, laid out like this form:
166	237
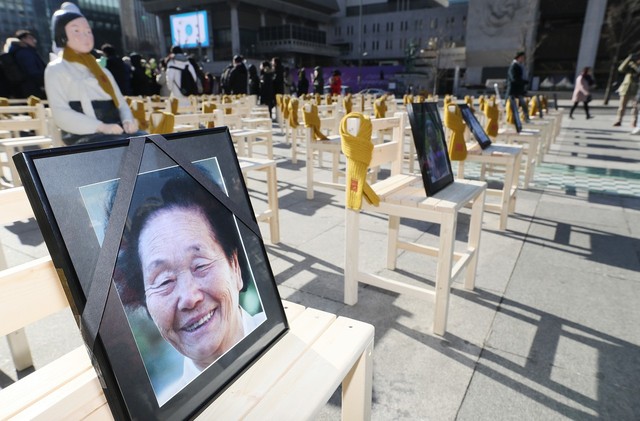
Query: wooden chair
506	157
271	214
403	196
15	207
247	139
23	118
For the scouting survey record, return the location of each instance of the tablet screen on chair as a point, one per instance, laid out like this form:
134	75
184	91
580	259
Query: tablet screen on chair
474	125
428	137
516	113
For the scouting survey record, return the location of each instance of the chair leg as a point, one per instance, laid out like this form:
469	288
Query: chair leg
443	273
392	243
352	258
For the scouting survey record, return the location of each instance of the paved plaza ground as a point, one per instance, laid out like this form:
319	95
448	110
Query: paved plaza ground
551	330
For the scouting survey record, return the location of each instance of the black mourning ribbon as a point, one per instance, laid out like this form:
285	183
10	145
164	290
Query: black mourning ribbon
102	281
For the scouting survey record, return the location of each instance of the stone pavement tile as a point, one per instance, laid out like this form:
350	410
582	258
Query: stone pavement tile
509	386
590	235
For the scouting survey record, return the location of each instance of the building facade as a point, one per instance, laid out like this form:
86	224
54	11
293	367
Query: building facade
470	41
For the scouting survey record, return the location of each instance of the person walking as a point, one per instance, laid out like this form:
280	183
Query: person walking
629	88
254	81
581	92
177	62
335	82
278	76
517	83
32	66
318	81
238	77
120	71
267	94
303	83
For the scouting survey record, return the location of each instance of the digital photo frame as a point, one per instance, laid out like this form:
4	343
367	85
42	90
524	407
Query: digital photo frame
431	148
516	113
159	252
474	125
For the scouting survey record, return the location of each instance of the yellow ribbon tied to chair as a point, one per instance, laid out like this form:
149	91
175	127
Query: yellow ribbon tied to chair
33	100
533	106
347	102
285	107
453	121
509	113
226	99
4	102
293	113
358	149
137	109
318	98
481	101
380	108
543	102
279	101
468	99
208	107
312	120
173	104
165	123
492	113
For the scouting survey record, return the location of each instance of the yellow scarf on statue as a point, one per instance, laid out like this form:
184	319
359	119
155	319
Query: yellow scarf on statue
358	149
90	63
453	121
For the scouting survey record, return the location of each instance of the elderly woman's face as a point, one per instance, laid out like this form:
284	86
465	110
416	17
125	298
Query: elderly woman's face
191	286
79	35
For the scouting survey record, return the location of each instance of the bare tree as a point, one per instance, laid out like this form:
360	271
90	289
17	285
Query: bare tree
621	28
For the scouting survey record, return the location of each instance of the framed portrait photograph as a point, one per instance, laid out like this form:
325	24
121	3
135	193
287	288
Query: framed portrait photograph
431	148
162	260
474	125
516	113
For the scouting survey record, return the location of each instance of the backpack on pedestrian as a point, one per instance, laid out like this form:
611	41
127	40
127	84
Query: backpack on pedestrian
188	85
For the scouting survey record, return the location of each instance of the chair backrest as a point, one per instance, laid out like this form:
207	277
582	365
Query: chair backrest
16	118
389	152
32	290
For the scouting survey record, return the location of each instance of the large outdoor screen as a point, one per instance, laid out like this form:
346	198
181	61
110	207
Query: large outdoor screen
190	30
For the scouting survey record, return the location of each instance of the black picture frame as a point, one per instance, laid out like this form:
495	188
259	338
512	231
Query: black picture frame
431	147
516	113
84	217
474	125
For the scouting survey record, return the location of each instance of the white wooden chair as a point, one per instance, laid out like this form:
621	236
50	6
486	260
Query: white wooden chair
15	207
332	146
403	196
272	212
